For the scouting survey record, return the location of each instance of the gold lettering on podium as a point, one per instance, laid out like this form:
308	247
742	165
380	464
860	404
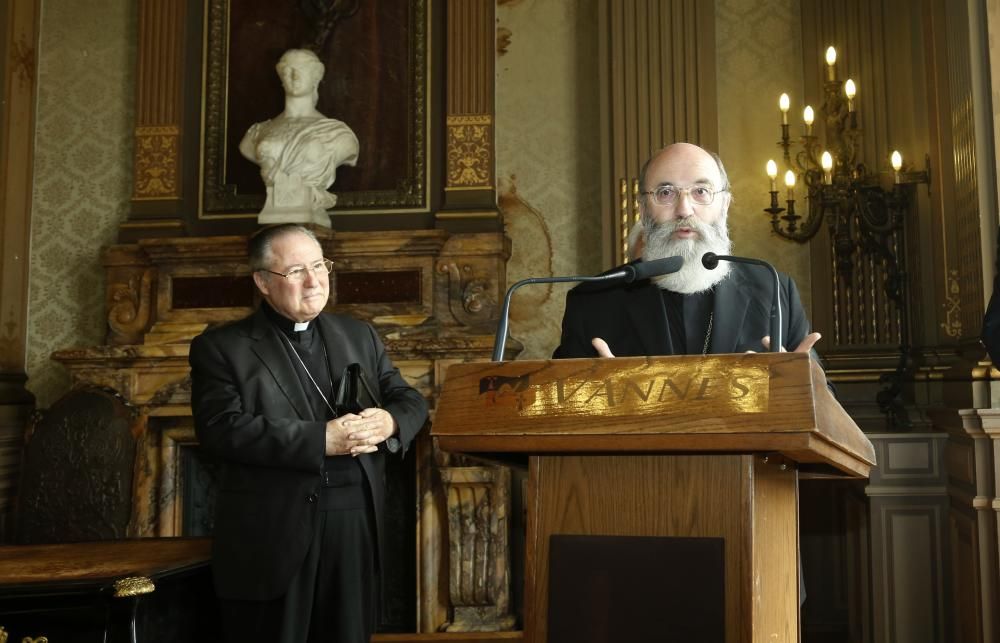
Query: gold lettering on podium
711	387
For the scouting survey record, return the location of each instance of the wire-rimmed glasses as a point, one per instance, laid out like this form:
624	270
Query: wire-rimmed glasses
298	274
668	194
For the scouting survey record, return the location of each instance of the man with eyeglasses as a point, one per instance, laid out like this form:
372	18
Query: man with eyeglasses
298	527
683	212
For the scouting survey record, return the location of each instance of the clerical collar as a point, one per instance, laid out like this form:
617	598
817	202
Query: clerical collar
290	328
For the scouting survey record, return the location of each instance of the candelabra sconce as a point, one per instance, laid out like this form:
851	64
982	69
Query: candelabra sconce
865	213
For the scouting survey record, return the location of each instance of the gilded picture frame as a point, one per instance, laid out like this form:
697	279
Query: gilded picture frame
376	81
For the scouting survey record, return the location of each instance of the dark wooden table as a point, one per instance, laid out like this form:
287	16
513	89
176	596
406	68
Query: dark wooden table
146	590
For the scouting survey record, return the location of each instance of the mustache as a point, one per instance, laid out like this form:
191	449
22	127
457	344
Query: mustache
663	231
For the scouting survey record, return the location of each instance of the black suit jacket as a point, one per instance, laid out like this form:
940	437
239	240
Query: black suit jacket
632	319
251	411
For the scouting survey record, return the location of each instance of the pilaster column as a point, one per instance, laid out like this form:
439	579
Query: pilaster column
470	142
20	78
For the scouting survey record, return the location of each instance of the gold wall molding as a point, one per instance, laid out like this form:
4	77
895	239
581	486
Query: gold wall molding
470	151
952	324
157	162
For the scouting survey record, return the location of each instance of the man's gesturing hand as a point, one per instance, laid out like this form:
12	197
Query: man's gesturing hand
804	346
355	434
602	348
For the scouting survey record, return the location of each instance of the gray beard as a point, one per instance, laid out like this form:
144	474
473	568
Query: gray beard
693	277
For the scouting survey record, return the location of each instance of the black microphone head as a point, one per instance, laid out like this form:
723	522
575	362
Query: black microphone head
654	268
710	260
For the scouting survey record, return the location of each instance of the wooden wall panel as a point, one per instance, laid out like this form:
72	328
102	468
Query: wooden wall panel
910	558
657	78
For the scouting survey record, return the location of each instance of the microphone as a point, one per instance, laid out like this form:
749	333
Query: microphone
628	274
711	260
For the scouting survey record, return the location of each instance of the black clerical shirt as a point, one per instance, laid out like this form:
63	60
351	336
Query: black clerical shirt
688	317
310	347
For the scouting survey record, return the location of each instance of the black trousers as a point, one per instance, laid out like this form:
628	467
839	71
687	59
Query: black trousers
333	597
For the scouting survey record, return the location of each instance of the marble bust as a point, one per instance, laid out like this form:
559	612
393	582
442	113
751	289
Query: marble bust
300	149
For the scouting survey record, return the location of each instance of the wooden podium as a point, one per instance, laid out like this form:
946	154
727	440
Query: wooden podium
671	449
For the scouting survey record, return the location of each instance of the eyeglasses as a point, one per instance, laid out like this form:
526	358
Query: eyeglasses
667	194
297	275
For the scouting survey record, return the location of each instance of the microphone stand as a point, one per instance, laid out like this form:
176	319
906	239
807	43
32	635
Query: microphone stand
711	260
500	342
628	273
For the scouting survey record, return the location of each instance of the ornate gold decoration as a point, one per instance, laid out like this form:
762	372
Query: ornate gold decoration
156	162
952	324
3	635
40	639
133	586
470	151
479	562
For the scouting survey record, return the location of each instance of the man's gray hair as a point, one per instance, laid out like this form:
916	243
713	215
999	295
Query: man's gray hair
259	247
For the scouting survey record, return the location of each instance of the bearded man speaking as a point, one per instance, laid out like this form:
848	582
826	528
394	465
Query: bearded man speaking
694	311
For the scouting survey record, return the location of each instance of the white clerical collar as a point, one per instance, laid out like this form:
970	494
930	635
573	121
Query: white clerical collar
300	326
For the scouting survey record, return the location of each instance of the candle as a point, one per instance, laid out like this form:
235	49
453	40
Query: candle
783	104
772	172
826	161
808	115
850	90
831	61
897	163
790	183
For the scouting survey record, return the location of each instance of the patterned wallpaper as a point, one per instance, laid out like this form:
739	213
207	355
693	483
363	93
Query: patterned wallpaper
548	144
82	172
